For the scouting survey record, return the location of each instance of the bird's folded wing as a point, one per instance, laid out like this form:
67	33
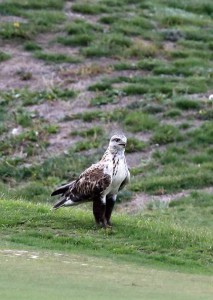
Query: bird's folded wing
92	181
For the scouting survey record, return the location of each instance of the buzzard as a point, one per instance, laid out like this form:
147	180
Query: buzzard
99	183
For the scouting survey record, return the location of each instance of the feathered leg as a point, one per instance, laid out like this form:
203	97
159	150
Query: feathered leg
110	202
99	208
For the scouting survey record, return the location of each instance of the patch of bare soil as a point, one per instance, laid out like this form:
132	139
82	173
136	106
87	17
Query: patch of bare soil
43	75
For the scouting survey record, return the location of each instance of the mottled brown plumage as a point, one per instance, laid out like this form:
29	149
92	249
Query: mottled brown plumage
99	183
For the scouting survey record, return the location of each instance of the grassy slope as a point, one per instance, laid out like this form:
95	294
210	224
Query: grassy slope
153	238
160	64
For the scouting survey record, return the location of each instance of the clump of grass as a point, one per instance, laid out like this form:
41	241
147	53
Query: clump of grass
16	31
100	86
101	100
86	145
23	118
201	136
89	116
31	46
112	44
153	108
90	8
76	40
172	113
135	89
91	132
186	104
4	56
134	145
138	121
108	19
197	34
57	58
34	5
78	27
125	66
110	96
184	126
140	50
44	20
165	134
150	64
52	128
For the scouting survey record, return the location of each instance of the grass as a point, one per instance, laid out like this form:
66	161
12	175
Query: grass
166	134
67	271
31	46
77	40
27	97
138	121
90	8
143	239
135	145
91	132
56	58
4	56
146	69
171	181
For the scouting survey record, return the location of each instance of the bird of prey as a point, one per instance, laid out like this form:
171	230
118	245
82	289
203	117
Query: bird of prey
100	183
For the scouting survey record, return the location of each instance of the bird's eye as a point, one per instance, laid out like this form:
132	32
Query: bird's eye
117	140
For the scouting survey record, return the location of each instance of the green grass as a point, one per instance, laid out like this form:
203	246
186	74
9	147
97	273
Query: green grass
63	278
4	56
28	97
56	58
166	134
175	178
109	44
90	8
91	132
137	121
141	239
146	69
32	4
31	46
77	40
187	104
195	209
135	145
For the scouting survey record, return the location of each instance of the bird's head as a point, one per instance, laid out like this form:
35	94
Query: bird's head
117	143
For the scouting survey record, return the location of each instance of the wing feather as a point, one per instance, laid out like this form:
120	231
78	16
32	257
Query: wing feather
92	182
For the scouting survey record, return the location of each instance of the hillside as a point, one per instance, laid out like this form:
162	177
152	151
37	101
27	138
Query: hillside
72	73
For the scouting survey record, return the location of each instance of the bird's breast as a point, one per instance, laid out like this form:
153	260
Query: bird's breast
119	174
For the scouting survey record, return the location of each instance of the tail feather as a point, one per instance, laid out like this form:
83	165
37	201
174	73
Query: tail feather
62	189
59	203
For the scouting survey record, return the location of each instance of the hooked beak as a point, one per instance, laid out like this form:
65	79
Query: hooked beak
122	144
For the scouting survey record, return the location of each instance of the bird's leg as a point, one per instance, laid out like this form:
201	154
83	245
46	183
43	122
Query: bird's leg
99	207
110	202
